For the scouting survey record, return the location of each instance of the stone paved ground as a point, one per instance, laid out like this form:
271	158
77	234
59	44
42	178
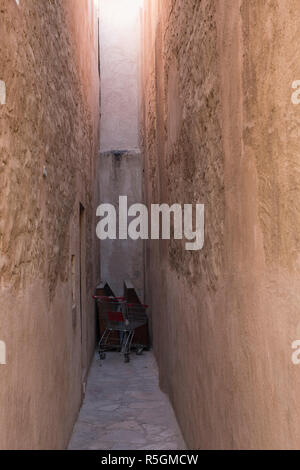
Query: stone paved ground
124	409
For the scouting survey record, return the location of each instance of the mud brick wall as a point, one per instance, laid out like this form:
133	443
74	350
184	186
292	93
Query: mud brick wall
48	165
219	128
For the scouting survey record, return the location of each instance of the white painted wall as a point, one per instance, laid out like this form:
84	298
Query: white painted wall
119	49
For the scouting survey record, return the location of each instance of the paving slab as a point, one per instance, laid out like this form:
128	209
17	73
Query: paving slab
124	408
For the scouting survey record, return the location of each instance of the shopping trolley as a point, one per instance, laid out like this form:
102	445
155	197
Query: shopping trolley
137	317
123	318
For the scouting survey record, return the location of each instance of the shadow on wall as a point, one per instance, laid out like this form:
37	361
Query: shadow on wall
121	174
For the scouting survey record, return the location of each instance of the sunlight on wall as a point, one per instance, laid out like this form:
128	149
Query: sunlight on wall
125	9
119	56
96	5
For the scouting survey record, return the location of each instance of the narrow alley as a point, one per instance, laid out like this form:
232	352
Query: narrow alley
124	408
149	204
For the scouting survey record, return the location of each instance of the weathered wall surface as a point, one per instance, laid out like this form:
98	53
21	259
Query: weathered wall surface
48	157
119	45
121	175
219	128
120	158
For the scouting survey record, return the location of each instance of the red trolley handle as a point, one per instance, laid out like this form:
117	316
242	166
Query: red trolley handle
138	305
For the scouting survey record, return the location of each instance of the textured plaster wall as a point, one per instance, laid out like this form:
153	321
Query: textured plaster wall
219	128
48	163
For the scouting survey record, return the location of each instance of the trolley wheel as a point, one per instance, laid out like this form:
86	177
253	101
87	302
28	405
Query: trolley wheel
102	356
126	358
139	351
